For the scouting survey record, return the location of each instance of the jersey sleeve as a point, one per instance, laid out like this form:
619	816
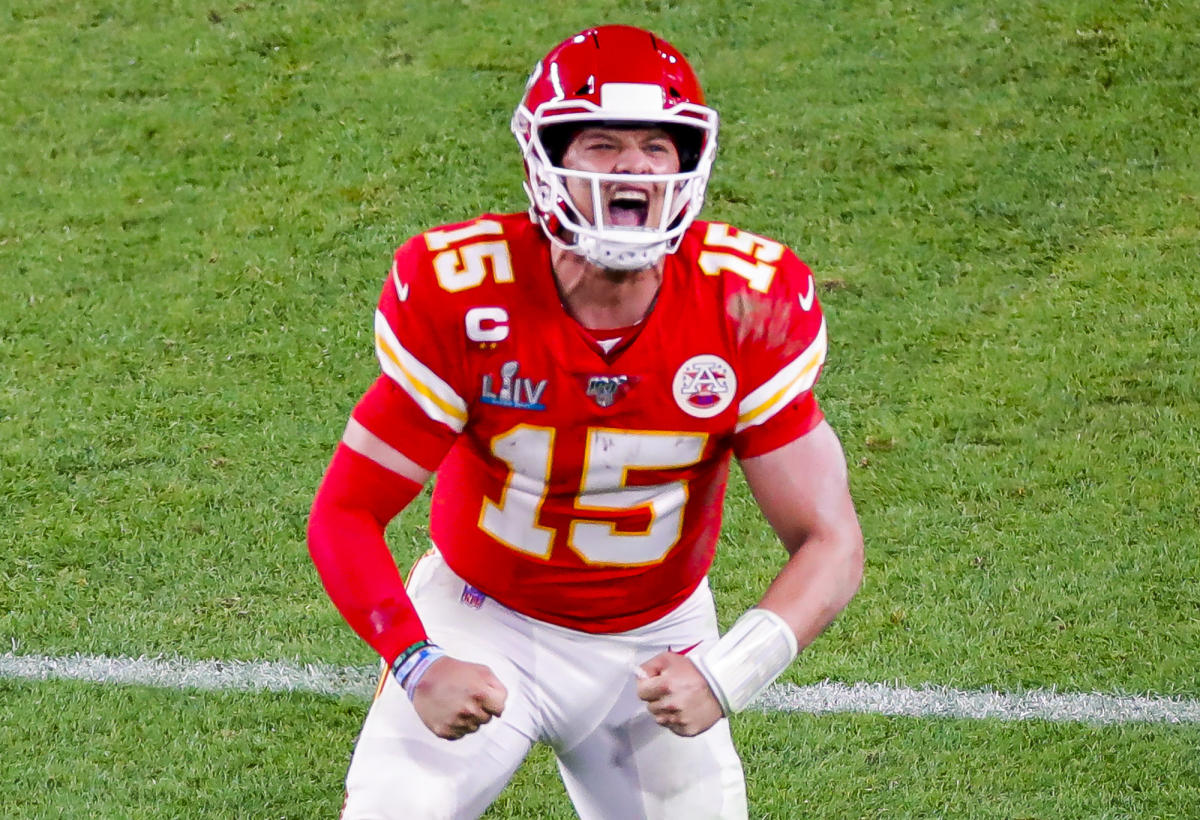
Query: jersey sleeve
420	407
356	500
781	344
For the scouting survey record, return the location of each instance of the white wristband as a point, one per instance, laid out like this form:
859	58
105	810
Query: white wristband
753	653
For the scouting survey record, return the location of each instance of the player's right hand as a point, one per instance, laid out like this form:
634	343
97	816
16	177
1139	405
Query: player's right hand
454	698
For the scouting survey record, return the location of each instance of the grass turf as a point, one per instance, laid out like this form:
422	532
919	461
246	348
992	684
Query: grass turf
199	203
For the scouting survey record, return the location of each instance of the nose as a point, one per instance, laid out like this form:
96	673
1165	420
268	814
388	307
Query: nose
633	159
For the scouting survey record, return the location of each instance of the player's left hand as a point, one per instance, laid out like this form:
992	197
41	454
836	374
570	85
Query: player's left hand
677	694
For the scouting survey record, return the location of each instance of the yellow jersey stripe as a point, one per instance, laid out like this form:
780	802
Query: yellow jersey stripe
774	394
411	384
747	419
434	396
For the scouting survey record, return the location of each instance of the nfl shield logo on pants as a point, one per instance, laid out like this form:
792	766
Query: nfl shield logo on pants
472	597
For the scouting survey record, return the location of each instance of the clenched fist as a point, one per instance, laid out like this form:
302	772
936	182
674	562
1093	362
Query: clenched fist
454	698
677	694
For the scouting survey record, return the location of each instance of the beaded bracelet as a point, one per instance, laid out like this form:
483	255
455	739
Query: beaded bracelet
412	664
405	656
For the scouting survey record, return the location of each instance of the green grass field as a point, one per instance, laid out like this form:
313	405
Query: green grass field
198	203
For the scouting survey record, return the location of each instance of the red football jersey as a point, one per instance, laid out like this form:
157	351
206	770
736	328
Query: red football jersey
583	487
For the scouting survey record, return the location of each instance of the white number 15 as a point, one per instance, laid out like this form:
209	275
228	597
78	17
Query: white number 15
609	458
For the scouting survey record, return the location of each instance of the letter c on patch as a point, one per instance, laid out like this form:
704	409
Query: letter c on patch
487	324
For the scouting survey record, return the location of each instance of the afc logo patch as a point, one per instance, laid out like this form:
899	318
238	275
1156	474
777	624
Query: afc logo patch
704	386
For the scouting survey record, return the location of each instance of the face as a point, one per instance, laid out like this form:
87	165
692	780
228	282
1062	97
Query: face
632	151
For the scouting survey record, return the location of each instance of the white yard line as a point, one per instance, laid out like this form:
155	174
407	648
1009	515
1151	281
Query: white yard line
940	701
821	698
179	673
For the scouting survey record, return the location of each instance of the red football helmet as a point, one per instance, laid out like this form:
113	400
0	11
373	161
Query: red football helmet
613	75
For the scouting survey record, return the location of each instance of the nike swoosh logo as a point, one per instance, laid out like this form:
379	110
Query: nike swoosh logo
806	299
685	650
401	288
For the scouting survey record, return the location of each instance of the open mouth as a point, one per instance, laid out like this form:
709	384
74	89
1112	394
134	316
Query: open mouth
628	208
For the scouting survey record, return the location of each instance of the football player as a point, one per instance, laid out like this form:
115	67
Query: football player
578	378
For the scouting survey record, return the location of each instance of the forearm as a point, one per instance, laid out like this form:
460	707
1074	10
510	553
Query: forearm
802	490
818	581
805	597
346	542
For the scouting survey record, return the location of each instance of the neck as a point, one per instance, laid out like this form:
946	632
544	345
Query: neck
600	299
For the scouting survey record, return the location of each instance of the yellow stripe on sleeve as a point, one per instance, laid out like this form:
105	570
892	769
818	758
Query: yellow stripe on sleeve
431	393
774	394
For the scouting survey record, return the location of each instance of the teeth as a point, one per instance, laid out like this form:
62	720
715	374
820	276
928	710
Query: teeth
632	197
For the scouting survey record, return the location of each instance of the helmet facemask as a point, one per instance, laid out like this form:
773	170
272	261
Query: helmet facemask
615	247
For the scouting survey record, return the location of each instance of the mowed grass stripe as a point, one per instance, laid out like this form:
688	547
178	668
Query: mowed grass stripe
820	698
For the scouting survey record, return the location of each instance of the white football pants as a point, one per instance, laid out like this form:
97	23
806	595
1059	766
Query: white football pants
571	690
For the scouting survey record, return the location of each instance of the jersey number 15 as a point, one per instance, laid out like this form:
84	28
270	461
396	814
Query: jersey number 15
610	456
